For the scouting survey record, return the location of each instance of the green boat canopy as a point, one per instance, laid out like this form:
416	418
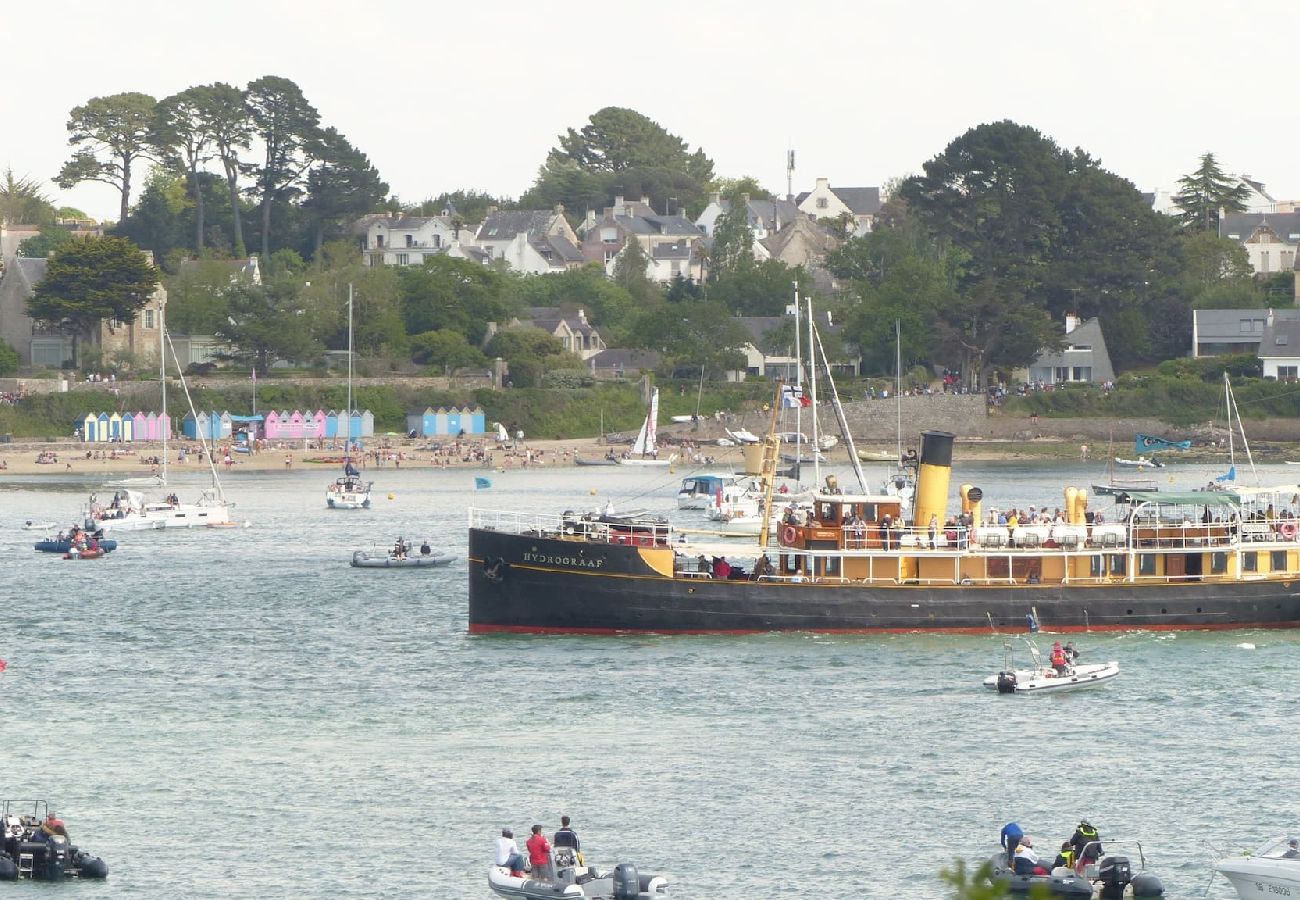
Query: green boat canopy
1184	498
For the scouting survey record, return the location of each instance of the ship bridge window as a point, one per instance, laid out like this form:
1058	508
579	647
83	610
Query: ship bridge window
1147	564
1218	563
1118	564
1278	562
830	512
1250	562
1098	566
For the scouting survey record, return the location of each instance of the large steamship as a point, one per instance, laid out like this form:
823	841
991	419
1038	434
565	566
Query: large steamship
1193	560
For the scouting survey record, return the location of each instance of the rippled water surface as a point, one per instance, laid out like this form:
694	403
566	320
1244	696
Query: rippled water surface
240	713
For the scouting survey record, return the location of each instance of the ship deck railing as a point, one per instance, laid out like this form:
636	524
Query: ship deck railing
568	525
1001	539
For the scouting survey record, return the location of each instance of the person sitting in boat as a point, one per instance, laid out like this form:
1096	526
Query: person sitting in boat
1058	659
1292	849
1026	860
1087	845
425	549
1071	654
508	855
49	828
399	549
1064	859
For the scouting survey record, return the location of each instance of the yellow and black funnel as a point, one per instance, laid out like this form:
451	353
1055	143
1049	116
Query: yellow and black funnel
932	478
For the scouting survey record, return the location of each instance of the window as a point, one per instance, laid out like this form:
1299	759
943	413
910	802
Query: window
149	315
1288	373
1263	262
379	241
822	203
1281	340
609	235
1218	563
1083	373
410	240
1098	566
1147	564
1278	561
437	241
403	259
1250	562
1117	564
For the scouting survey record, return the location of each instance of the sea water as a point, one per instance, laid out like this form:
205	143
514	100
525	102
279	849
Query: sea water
239	713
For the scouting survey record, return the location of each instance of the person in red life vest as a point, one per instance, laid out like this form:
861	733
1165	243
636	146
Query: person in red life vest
1059	661
539	855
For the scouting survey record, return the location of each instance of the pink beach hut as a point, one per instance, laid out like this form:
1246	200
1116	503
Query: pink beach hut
314	425
295	425
140	427
273	431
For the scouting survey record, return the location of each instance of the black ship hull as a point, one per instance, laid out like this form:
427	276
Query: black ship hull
532	583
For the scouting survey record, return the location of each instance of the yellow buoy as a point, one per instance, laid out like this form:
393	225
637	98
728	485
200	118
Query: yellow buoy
592	492
392	496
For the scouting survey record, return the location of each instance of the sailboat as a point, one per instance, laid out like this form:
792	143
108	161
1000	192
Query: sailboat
645	452
350	491
129	510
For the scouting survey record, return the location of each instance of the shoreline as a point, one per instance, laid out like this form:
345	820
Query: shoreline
405	453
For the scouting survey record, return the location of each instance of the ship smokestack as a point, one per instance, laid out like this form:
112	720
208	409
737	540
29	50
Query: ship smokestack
932	478
971	498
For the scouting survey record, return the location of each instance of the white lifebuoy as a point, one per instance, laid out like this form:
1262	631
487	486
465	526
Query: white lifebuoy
1287	530
789	534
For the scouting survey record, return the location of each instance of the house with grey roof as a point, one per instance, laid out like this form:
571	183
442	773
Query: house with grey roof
770	349
1270	239
671	242
578	336
396	239
1279	345
1082	357
765	217
1217	332
826	202
531	241
618	362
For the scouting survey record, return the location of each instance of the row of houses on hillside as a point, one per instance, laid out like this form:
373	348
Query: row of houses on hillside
798	230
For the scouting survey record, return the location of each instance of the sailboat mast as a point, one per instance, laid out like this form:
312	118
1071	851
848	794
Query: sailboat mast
812	384
798	383
347	441
165	424
898	383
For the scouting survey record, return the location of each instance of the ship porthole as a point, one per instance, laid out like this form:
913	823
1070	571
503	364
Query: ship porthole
1198	609
1163	611
1128	612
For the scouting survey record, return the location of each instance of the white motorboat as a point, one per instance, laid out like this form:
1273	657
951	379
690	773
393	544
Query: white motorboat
645	452
1037	678
1140	463
577	881
130	511
30	525
698	491
1267	872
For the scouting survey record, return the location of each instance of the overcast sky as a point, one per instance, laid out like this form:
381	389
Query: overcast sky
454	95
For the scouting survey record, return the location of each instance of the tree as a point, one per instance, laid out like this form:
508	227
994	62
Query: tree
692	334
341	187
462	205
8	359
23	202
1203	193
47	242
269	322
111	134
747	184
445	349
224	116
287	127
455	293
759	288
529	352
630	267
91	280
183	143
620	151
607	304
733	241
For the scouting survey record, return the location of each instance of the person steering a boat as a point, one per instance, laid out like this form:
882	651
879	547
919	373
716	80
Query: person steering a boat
425	549
1086	843
52	826
1292	849
1059	661
399	549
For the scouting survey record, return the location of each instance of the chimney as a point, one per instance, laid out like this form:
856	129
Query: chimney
645	199
618	205
1071	322
716	198
589	222
823	183
558	209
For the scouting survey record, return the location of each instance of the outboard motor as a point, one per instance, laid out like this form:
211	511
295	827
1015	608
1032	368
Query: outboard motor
1006	682
1114	874
627	886
8	869
90	866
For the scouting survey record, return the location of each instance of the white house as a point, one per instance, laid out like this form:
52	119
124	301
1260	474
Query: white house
531	241
765	217
826	202
1279	347
1270	239
401	240
670	241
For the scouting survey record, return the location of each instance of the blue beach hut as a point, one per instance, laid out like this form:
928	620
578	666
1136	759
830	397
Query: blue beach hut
477	422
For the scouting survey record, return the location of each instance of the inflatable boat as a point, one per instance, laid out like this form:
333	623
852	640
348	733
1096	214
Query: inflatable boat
1110	878
1036	678
63	544
31	852
365	559
574	880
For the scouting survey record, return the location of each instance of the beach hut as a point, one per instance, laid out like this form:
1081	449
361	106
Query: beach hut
89	426
190	426
273	426
420	422
127	433
225	426
453	422
440	421
295	425
332	423
477	421
164	427
316	428
103	433
140	427
115	427
367	423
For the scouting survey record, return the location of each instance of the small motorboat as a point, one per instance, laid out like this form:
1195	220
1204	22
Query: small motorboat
87	553
575	880
1110	878
34	847
1037	678
62	543
607	460
367	559
1141	462
29	525
1267	872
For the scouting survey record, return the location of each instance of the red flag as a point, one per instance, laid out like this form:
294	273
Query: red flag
805	400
